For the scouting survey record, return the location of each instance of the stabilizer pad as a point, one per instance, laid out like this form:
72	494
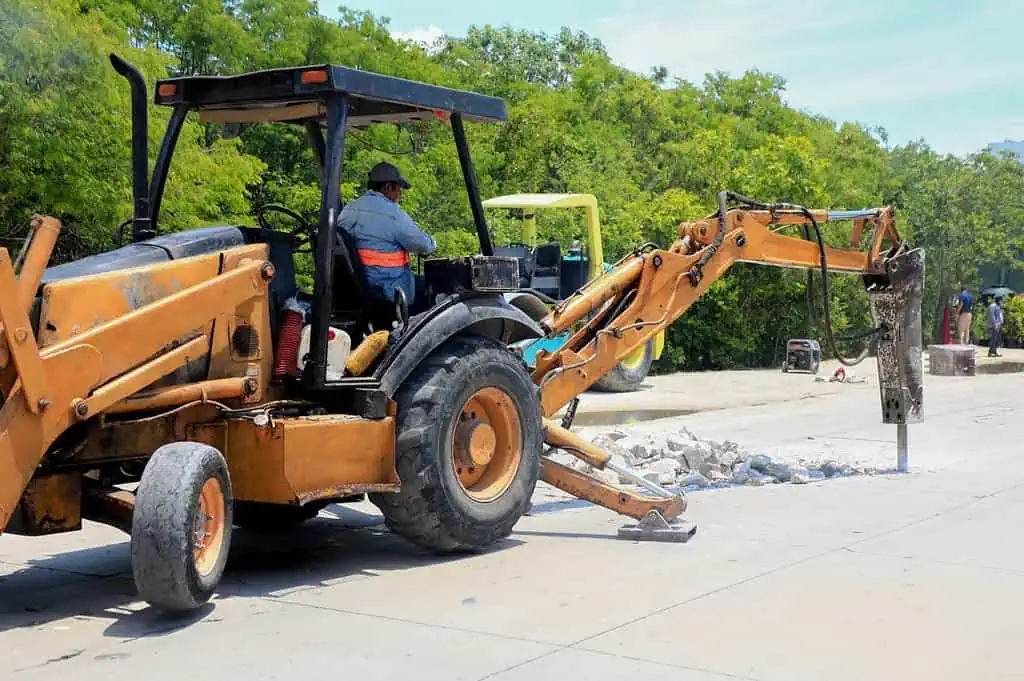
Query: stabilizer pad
654	527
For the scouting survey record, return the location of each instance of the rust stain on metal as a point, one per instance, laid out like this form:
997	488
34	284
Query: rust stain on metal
346	490
49	505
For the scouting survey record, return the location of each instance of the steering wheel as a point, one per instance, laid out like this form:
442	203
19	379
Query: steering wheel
303	233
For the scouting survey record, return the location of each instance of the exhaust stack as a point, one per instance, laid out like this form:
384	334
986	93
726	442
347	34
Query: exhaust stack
142	220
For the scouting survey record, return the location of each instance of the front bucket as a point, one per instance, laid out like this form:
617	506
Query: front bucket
896	309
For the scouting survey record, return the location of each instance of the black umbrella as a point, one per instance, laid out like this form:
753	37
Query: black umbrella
998	291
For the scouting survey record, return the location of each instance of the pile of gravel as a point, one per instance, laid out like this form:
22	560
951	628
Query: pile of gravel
680	459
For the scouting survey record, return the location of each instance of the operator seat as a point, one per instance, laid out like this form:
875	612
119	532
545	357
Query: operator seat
353	299
547	269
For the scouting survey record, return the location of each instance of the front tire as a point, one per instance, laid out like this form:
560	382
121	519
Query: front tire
468	449
629	374
181	528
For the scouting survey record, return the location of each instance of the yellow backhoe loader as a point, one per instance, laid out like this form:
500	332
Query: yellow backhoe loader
163	388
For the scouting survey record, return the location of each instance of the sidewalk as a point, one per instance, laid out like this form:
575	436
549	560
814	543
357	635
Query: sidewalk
1012	361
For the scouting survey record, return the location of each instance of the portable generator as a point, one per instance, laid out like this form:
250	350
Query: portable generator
802	354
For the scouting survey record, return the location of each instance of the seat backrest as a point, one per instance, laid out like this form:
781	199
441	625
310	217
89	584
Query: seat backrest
547	265
349	277
548	255
352	297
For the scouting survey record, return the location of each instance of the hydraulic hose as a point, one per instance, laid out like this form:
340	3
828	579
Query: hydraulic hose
723	209
830	336
827	313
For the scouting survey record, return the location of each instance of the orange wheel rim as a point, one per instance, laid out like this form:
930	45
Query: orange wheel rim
487	444
208	529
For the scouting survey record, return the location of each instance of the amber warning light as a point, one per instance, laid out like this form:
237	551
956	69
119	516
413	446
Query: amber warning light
313	77
167	90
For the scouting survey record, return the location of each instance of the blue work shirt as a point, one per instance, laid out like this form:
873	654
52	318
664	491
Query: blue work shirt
385	234
995	316
966	301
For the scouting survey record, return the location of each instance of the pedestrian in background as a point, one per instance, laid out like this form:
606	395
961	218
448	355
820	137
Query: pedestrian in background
995	326
965	314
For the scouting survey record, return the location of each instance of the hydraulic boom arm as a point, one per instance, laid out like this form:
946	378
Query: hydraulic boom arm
650	289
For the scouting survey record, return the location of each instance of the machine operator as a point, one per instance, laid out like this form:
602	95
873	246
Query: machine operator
384	234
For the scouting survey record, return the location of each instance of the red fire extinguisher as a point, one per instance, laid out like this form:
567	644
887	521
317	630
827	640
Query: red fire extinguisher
947	336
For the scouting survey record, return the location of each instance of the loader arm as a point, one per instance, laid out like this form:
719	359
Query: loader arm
49	389
649	290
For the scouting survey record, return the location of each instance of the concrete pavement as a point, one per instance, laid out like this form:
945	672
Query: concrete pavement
917	576
708	390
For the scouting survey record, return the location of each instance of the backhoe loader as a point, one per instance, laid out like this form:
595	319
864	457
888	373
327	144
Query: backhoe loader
164	388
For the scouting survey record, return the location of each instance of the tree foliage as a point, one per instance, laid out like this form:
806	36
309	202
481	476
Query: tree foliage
965	213
654	152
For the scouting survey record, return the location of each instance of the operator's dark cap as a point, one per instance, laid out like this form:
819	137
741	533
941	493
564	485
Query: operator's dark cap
385	172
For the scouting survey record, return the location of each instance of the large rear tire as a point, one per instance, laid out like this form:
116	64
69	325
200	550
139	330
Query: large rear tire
181	529
468	451
629	374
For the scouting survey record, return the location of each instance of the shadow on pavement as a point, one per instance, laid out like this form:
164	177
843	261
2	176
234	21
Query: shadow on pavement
349	546
567	535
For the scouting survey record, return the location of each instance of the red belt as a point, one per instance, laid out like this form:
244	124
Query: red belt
383	259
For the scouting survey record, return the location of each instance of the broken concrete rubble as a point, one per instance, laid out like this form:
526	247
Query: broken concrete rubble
641	451
741	473
678	458
612	446
694	480
798	475
660	478
664	466
781	471
757	479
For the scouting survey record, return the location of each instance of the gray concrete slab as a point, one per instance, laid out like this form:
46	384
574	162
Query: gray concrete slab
914	576
841	616
983	534
248	639
551	588
579	664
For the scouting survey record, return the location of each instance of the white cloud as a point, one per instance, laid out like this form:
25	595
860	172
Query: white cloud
426	36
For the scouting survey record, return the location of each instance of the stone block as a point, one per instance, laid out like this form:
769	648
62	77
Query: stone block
951	360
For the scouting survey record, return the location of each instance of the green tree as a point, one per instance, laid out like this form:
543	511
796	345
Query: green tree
65	131
654	151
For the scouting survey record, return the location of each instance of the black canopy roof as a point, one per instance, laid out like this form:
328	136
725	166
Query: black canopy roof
294	94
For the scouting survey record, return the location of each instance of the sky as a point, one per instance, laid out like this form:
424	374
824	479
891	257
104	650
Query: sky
950	72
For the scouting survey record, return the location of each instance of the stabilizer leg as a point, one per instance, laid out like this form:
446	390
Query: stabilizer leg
658	514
